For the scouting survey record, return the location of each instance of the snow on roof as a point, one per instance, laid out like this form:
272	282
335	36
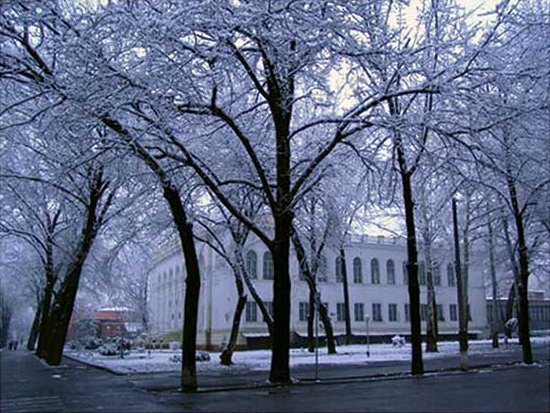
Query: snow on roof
114	309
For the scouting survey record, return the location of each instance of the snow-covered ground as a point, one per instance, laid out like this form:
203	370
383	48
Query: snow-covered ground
159	360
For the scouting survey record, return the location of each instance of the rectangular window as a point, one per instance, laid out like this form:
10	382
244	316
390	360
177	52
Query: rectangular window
269	307
451	275
304	311
439	312
359	311
469	313
338	269
407	312
423	312
405	273
340	312
452	312
437	274
421	273
377	312
251	312
392	312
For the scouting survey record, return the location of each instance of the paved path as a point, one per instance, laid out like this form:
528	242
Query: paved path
28	385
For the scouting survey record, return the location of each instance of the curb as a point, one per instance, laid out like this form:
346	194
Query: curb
308	381
351	379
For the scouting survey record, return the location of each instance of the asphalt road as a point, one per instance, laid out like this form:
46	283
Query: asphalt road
28	385
509	389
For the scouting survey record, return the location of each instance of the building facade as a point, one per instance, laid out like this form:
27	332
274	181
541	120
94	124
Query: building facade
377	282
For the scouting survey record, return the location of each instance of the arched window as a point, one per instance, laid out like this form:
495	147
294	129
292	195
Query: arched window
357	270
390	271
338	269
322	269
451	275
375	271
252	264
268	266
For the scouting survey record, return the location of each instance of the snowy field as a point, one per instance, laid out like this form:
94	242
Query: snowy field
159	360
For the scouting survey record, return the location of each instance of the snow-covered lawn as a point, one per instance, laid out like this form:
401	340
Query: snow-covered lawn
159	360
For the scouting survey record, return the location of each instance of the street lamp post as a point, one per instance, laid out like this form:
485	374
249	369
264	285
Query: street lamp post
367	319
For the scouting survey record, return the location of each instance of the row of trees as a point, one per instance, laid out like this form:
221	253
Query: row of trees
283	119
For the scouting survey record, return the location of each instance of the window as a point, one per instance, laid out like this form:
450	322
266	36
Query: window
423	312
322	269
375	271
390	271
452	312
268	266
304	311
439	312
340	312
437	274
359	311
251	312
357	270
338	269
405	273
450	275
392	312
469	313
269	307
377	312
252	264
421	273
407	312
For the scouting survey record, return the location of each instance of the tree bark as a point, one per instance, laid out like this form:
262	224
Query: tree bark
192	290
311	322
312	284
35	327
523	316
412	270
493	271
45	320
344	273
462	315
227	353
280	370
62	308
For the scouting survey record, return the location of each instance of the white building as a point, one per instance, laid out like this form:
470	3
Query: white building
376	280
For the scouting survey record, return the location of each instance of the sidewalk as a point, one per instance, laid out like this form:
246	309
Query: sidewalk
328	374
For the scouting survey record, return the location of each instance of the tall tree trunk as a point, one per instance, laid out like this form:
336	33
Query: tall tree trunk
35	327
280	370
412	268
493	271
227	353
311	322
522	286
327	325
431	325
462	315
513	297
312	284
45	320
344	273
192	290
